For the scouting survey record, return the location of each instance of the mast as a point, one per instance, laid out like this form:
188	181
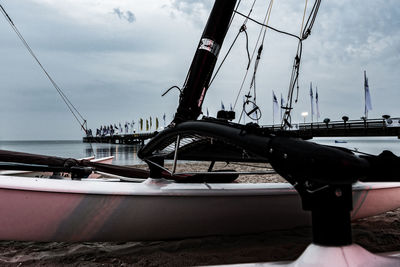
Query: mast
204	60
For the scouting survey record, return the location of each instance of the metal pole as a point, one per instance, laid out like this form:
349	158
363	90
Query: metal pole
204	61
178	140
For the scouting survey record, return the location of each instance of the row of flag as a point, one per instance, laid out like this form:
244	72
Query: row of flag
312	103
367	99
278	109
147	124
128	127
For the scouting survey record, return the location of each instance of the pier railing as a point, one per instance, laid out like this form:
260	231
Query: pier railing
350	128
369	127
135	138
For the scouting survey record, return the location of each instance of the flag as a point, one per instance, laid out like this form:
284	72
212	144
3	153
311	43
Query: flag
147	124
275	107
316	103
156	123
164	118
312	102
222	106
141	124
244	117
282	106
368	104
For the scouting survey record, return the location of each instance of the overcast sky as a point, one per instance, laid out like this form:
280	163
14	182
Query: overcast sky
113	59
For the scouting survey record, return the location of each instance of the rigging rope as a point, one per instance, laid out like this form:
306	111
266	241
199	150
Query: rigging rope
82	122
251	59
265	22
253	80
304	16
242	29
260	49
304	33
267	26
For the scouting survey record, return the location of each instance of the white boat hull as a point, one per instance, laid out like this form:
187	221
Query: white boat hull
36	209
320	256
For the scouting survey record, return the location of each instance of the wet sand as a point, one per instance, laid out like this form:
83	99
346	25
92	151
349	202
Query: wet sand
377	234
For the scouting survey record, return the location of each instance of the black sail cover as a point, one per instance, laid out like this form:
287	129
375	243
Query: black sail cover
204	61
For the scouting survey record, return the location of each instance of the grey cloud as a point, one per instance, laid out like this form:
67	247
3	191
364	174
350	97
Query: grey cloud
66	36
358	30
125	15
118	12
192	10
108	72
190	6
130	16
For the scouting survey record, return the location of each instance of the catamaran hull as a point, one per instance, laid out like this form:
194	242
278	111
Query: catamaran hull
34	209
43	216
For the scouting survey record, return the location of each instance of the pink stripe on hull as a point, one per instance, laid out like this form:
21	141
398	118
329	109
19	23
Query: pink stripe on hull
87	219
33	215
47	216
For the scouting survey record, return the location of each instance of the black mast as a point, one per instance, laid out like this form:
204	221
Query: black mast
204	60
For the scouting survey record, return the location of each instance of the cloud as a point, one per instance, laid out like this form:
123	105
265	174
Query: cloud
359	31
192	10
190	7
125	15
107	67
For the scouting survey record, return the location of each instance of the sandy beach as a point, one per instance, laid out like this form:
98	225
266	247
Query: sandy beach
377	234
239	167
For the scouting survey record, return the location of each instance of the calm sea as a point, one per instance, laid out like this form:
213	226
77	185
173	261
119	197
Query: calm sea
123	154
371	145
127	154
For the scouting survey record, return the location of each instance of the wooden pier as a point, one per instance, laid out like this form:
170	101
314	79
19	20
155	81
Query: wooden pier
346	128
136	138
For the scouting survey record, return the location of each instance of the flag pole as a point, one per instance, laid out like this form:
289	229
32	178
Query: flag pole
365	96
281	117
312	103
317	103
273	109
